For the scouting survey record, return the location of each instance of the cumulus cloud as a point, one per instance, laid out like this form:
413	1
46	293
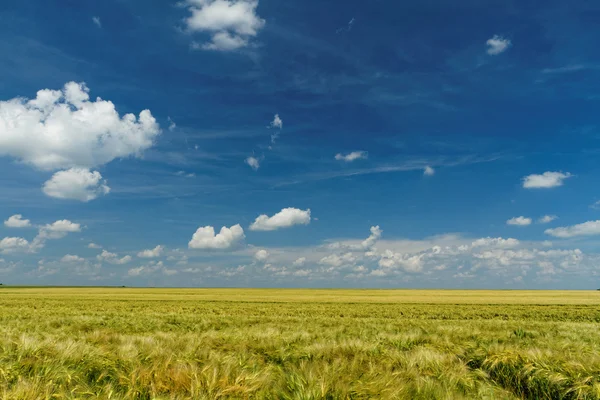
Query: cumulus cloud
547	219
375	235
76	184
17	221
589	228
62	129
58	229
406	262
355	155
428	171
495	242
94	246
519	221
151	268
261	255
335	260
206	239
286	218
253	162
546	180
113	258
69	258
231	23
13	245
497	44
151	253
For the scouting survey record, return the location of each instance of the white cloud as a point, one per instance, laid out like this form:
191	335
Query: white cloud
58	229
76	184
406	262
369	242
547	219
228	238
546	180
72	259
497	44
428	171
13	245
253	162
519	221
232	24
355	155
276	123
152	267
261	255
286	218
94	246
495	242
17	221
589	228
299	262
113	258
96	21
596	205
151	253
64	129
335	260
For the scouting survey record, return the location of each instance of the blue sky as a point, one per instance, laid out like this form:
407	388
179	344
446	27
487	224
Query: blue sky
340	144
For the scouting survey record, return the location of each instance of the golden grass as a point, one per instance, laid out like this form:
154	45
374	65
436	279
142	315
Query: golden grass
101	343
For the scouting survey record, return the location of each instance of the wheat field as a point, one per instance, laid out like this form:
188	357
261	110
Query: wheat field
122	343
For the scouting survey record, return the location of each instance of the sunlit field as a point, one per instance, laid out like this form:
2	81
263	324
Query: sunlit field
120	343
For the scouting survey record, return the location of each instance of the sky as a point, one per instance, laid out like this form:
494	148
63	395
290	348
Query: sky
246	143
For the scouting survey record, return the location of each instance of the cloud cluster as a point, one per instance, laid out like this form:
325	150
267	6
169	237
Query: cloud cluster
17	221
206	239
590	228
76	184
112	258
286	218
547	180
231	23
152	253
519	221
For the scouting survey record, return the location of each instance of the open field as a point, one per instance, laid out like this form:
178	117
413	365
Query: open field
126	343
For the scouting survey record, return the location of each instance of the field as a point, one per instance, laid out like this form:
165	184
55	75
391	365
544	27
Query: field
120	343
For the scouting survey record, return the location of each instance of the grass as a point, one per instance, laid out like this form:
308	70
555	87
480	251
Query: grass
121	343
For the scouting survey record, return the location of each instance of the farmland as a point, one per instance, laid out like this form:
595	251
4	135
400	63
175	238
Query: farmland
122	343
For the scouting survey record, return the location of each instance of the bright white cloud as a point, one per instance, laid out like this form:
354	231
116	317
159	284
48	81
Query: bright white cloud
369	242
76	184
151	253
97	21
589	228
546	180
13	245
253	162
151	268
17	221
113	258
228	238
406	262
335	260
519	221
64	129
69	258
495	242
232	23
547	219
497	44
355	155
286	218
428	171
58	229
261	255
